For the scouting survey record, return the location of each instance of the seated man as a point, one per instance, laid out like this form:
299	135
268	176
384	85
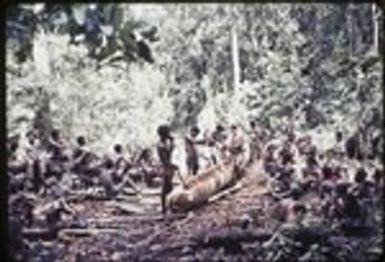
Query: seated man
147	166
92	169
305	145
107	177
121	164
288	153
117	156
17	163
58	158
270	162
311	171
363	188
57	146
84	164
79	156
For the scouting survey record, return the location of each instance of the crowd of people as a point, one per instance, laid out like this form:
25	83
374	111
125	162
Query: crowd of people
343	182
34	166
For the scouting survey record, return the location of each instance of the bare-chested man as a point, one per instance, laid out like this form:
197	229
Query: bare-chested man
216	142
58	158
147	166
79	155
36	165
192	159
289	152
57	146
165	147
17	163
255	142
121	164
236	149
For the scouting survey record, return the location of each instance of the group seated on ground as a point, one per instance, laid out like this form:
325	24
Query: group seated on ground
341	186
337	186
335	180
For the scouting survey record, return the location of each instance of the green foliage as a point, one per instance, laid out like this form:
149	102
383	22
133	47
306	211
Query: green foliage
296	61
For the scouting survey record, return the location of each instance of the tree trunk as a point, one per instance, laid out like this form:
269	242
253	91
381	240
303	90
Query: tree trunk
350	30
41	54
375	29
42	120
235	56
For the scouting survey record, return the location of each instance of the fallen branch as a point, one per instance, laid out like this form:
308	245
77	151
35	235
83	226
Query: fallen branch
127	208
124	219
85	232
226	192
38	233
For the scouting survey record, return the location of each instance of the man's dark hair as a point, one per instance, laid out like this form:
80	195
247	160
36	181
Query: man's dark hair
163	131
327	172
145	154
13	146
80	140
219	128
299	209
55	133
30	134
339	136
118	148
342	189
361	175
326	189
195	130
108	164
296	193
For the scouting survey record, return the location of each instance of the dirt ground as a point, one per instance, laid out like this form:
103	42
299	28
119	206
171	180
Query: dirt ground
238	226
150	237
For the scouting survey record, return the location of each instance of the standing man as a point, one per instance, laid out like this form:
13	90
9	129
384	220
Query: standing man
165	147
192	159
236	149
217	141
255	142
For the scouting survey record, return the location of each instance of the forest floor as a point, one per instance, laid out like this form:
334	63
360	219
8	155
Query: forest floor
238	226
145	235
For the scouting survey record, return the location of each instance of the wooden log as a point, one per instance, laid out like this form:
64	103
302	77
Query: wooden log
199	188
56	204
85	232
143	192
33	234
129	208
138	217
